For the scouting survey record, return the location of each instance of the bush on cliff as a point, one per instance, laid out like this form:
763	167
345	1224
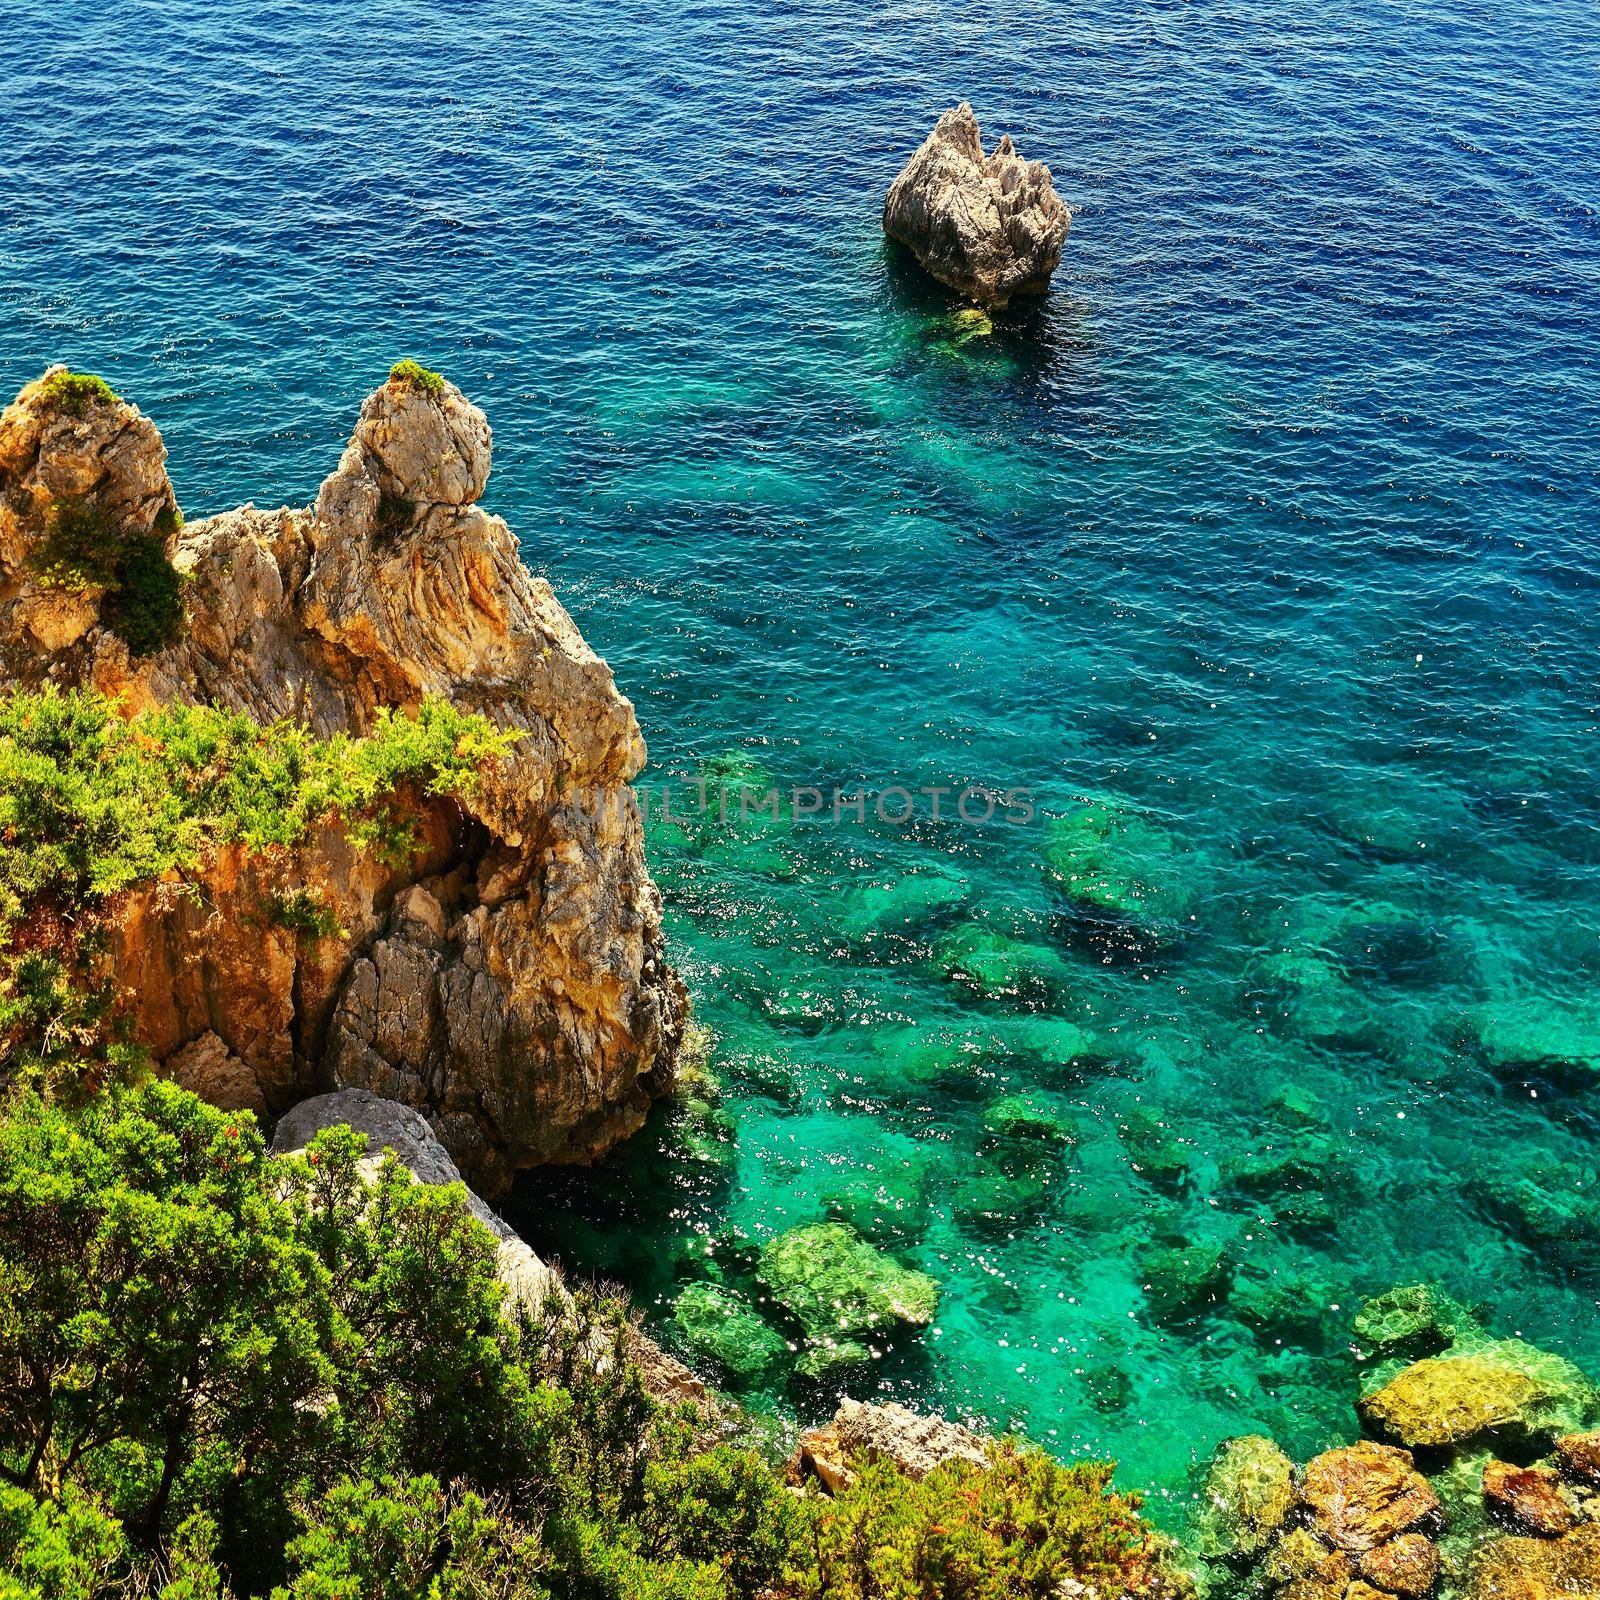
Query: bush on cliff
93	804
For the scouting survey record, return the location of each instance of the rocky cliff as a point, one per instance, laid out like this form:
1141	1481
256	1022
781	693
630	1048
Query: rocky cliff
506	978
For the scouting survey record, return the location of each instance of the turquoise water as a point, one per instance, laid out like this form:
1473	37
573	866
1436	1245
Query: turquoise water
1273	528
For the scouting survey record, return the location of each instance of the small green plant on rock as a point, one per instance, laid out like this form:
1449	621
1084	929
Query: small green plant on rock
418	376
306	912
84	548
72	393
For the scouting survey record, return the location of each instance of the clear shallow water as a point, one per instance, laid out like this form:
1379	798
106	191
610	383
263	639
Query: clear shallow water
1277	521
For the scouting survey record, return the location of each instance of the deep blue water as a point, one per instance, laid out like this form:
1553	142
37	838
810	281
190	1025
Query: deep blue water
1277	523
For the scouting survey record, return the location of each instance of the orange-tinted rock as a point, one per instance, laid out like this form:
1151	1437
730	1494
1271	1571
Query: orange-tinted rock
1531	1499
1407	1566
1366	1494
1537	1569
1578	1456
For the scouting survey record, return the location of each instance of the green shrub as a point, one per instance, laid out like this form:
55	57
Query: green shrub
232	1374
93	804
82	548
1010	1531
74	392
305	912
418	376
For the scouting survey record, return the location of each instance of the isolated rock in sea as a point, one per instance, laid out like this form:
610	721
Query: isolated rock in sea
1248	1497
990	227
914	1442
1363	1495
842	1292
507	980
1502	1389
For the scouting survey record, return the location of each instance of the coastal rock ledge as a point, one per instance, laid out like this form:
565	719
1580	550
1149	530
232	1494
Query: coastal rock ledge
990	227
506	977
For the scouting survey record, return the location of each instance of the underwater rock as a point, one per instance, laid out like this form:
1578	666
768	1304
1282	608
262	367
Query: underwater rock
992	1200
902	905
990	227
1185	1280
722	1326
1407	1565
1107	857
1538	1038
1014	1117
1414	1320
1504	1389
842	1291
1553	1210
890	1208
1578	1455
1530	1499
914	1442
996	966
1285	1307
1363	1495
1537	1569
1249	1494
1157	1152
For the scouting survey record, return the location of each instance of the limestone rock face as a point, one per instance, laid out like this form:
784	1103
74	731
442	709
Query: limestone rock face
913	1442
990	227
509	981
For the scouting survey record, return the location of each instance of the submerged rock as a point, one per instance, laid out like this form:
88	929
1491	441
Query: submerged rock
1108	858
914	1442
723	1327
1363	1495
1249	1494
508	979
1413	1320
1504	1389
990	227
842	1292
1529	1499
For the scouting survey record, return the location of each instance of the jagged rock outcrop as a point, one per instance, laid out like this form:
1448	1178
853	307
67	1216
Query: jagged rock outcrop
914	1442
990	227
508	980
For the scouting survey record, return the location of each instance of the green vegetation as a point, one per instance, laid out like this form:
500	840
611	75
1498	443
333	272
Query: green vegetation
83	548
418	376
93	804
226	1374
74	392
304	911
